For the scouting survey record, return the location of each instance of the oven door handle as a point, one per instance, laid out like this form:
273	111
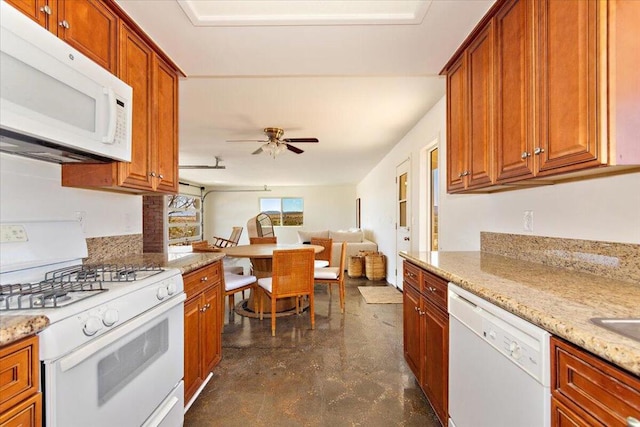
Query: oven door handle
83	353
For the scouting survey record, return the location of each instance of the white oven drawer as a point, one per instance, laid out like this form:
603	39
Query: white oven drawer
121	378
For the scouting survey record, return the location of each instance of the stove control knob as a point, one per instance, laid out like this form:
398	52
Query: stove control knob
162	293
92	325
172	288
110	317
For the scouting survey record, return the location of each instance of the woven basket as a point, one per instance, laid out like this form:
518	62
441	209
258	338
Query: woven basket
375	266
355	267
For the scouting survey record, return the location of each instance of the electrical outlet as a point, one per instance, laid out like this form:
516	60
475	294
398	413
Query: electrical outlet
527	221
13	234
81	216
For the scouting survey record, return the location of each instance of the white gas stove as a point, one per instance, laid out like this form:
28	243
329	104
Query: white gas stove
115	339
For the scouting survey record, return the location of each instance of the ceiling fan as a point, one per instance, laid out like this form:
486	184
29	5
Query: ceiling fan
274	145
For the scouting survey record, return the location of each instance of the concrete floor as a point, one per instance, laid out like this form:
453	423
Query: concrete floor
349	371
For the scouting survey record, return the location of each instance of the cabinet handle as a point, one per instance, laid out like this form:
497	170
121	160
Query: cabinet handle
161	176
203	309
525	154
431	288
538	151
64	24
465	173
45	9
409	274
416	309
152	174
633	422
204	279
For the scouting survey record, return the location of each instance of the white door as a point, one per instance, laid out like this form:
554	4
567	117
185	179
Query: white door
403	216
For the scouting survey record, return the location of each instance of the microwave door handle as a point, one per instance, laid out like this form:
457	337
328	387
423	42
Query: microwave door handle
111	128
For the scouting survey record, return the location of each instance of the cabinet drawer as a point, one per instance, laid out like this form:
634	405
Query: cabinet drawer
412	275
18	371
199	280
591	387
26	414
435	289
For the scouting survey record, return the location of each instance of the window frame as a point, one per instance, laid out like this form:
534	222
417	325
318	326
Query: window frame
280	221
196	224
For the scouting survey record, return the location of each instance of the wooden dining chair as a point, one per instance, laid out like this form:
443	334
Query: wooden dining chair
262	240
234	283
333	275
323	259
292	277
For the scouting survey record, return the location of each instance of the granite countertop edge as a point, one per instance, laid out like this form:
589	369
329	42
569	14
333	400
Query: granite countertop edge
555	299
16	327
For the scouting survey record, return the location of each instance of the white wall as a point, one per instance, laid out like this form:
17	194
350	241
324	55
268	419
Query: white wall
605	209
31	190
325	208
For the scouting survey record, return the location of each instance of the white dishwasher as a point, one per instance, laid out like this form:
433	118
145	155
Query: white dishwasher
498	366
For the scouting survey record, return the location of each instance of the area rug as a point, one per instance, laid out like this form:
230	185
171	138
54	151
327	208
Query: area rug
380	294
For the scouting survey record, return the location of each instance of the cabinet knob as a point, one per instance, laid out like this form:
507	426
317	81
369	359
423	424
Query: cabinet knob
204	279
525	154
633	422
161	176
464	173
152	174
432	289
64	24
45	9
416	309
538	151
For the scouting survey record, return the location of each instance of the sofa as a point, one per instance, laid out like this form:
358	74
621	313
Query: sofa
355	239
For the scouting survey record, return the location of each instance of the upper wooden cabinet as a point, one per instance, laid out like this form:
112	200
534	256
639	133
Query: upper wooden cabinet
89	26
544	89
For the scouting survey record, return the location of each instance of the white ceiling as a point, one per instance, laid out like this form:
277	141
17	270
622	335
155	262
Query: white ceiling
357	75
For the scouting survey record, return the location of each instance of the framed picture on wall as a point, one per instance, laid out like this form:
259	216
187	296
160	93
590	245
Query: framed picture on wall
358	212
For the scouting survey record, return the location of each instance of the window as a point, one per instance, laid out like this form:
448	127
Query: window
283	211
184	215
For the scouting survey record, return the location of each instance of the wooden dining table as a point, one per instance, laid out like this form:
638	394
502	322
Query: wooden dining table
261	257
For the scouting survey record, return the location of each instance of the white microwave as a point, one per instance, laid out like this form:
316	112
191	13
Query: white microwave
55	103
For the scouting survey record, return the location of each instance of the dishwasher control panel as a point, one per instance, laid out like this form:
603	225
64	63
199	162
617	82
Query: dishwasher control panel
516	348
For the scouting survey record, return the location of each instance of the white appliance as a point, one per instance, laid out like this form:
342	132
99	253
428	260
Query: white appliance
55	103
113	354
498	366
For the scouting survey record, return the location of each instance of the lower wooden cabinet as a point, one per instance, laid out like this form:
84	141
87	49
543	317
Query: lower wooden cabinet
20	401
426	335
202	326
587	391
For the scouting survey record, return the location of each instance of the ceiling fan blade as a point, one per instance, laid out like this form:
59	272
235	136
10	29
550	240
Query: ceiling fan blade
246	140
300	140
294	149
258	151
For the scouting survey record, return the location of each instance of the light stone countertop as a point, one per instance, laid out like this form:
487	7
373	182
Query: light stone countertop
558	300
15	327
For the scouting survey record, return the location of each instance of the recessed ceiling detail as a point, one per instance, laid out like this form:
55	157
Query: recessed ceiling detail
307	12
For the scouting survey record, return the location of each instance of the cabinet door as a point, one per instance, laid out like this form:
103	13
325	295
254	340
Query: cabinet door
34	9
211	339
192	347
436	376
479	170
412	335
136	63
561	416
165	106
567	64
457	153
514	91
27	413
92	28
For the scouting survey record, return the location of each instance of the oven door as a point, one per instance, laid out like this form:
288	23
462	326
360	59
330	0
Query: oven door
121	378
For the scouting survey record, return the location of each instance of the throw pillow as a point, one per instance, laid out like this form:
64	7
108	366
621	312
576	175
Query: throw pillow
347	236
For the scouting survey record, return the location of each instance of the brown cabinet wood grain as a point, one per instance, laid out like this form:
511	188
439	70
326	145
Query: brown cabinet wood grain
560	104
589	391
426	335
20	401
38	10
202	326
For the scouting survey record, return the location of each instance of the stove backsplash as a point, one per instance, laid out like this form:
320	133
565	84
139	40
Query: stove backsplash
104	249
